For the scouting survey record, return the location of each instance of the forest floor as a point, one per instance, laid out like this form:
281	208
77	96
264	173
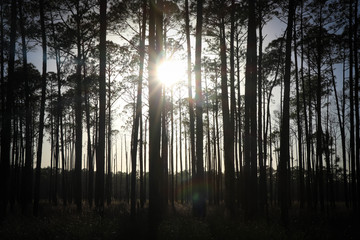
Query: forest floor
116	223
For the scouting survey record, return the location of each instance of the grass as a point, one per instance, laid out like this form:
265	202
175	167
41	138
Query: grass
116	223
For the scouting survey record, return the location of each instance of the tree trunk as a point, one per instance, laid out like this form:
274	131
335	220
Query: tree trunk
262	165
191	101
27	171
299	127
139	107
307	134
351	96
6	122
155	164
240	136
198	191
89	150
250	149
210	170
42	109
2	50
228	127
109	175
285	133
217	154
78	115
164	150
100	151
180	152
172	190
319	133
357	117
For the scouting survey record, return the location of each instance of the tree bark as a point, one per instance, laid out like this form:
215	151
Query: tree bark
285	133
155	162
357	117
198	191
139	105
250	133
299	126
319	133
6	123
351	96
42	109
78	114
191	101
100	151
26	191
109	174
228	127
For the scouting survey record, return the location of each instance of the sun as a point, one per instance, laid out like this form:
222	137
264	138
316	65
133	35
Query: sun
170	72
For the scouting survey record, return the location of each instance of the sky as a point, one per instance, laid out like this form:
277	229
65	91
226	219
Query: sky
274	29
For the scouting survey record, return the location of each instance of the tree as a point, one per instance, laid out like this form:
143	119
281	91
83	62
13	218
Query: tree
250	133
155	162
42	108
285	126
100	153
26	191
199	191
191	102
6	123
138	113
228	120
299	125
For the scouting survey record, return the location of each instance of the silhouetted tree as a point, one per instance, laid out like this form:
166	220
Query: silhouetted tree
198	179
42	108
250	133
155	162
285	126
100	153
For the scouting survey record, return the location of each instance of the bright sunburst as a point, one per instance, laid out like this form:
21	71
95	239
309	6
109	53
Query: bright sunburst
169	72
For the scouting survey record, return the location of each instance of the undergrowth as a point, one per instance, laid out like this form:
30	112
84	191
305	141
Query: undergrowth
57	222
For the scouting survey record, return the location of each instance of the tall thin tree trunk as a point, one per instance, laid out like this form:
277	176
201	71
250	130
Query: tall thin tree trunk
2	78
100	151
228	127
89	150
145	156
299	127
6	122
285	126
250	148
357	117
180	151
199	202
239	174
27	171
139	108
78	115
172	189
155	162
307	134
210	170
42	109
164	150
232	119
109	175
351	96
262	165
319	133
191	101
218	153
